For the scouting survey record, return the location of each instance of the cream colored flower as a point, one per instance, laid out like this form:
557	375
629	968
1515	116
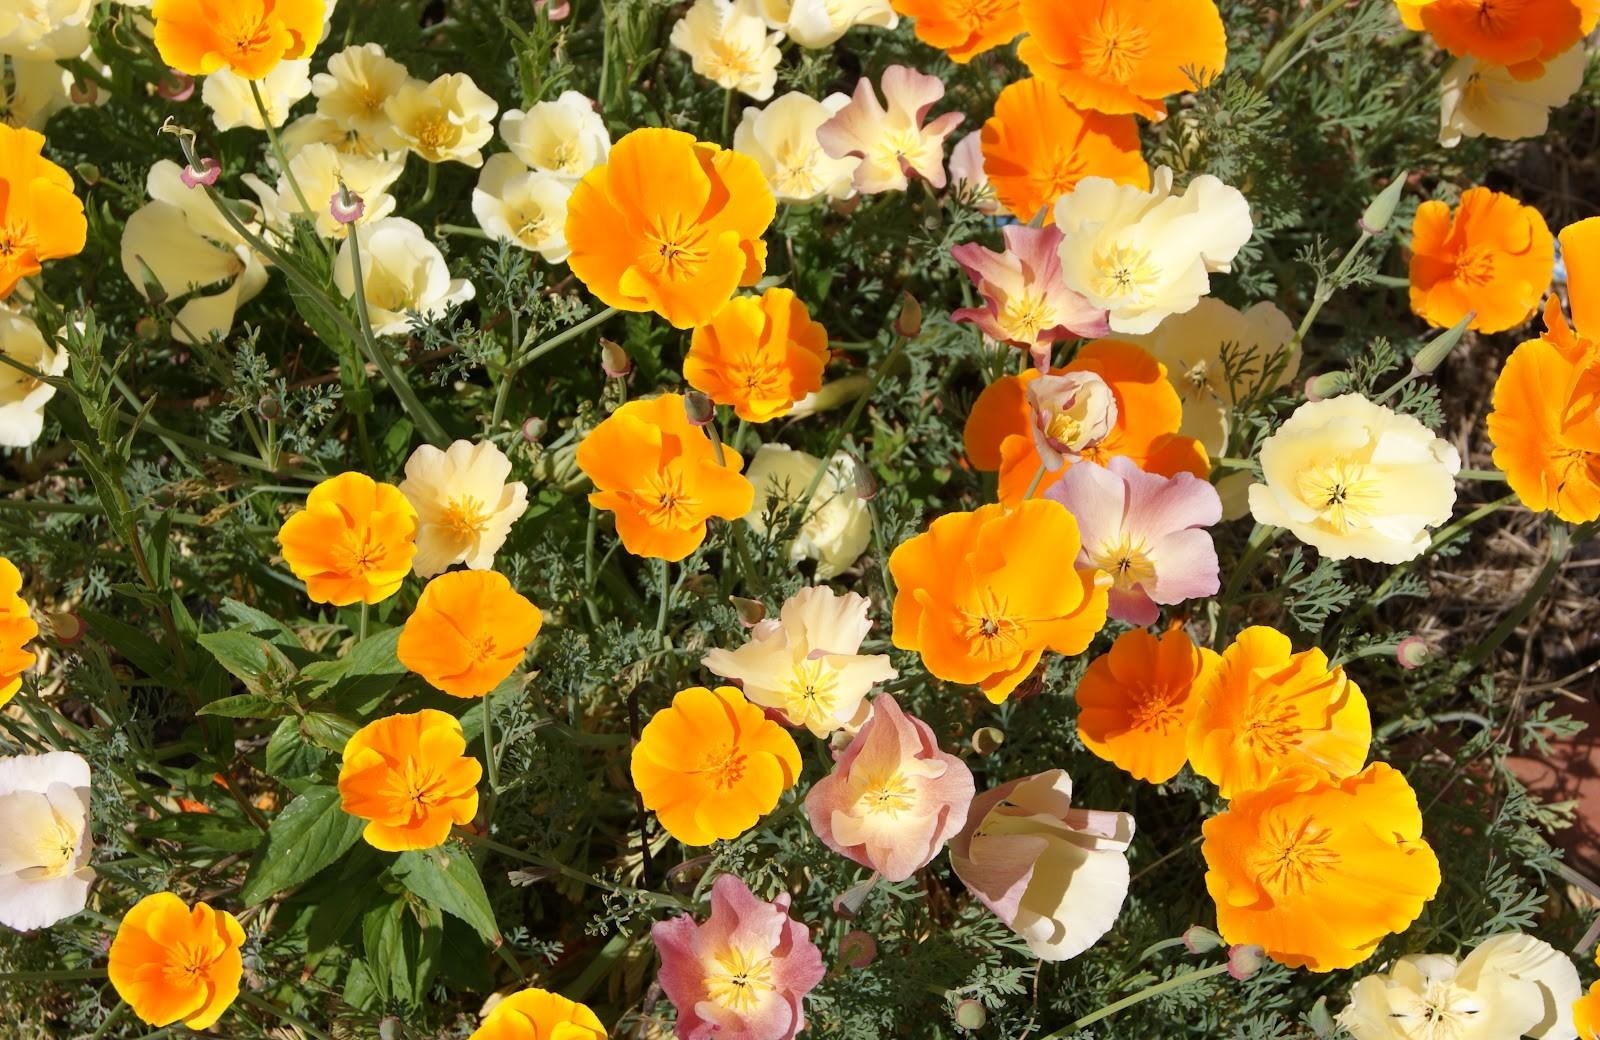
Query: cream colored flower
1479	100
321	129
836	528
448	120
727	42
45	30
782	139
1142	255
820	23
1511	986
36	90
1260	343
524	207
465	507
353	92
232	105
1352	478
803	663
45	842
180	240
889	136
565	137
22	397
319	170
403	274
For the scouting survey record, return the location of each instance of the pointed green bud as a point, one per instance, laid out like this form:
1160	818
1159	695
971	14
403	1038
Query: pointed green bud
1381	209
1430	357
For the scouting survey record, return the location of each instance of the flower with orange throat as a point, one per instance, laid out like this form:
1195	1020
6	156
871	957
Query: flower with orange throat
1318	871
1122	56
176	963
1136	701
760	355
247	37
890	137
1521	36
1493	255
1037	147
469	632
410	778
711	764
537	1014
1586	1014
17	630
972	602
1545	417
353	542
1016	427
669	224
964	29
1264	710
40	218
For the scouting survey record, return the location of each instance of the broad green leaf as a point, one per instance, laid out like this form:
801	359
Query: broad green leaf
244	706
312	832
290	753
261	666
198	830
447	878
137	647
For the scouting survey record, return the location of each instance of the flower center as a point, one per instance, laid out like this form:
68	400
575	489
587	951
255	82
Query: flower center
248	31
358	553
726	764
665	503
1154	708
1269	727
1475	266
465	517
1293	857
729	62
1127	561
992	632
1125	273
1112	49
187	964
676	252
434	134
1343	493
739	979
890	794
1025	316
796	169
811	694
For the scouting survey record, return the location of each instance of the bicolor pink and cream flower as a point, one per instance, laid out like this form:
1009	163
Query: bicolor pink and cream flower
971	177
1026	301
1071	412
890	137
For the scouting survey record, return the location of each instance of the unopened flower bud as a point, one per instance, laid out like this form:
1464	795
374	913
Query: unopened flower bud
751	612
175	86
987	740
533	429
614	361
147	328
908	323
1244	961
700	408
66	628
346	206
1413	652
559	11
270	407
971	1015
389	1028
89	173
83	92
866	483
193	178
1431	356
1199	939
857	949
847	904
1381	209
154	291
1329	384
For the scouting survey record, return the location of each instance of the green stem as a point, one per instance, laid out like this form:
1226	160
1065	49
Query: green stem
262	1004
278	152
1278	57
588	566
1033	485
69	975
1188	978
366	612
1325	285
565	336
727	118
490	761
110	1020
572	873
1491	475
664	572
433	185
393	376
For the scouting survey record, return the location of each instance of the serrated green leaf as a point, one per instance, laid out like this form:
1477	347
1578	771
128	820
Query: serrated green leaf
312	832
244	706
447	878
251	659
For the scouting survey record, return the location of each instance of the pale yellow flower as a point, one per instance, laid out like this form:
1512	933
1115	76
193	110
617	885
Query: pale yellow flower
22	397
45	844
402	272
820	23
232	105
565	137
782	139
319	170
36	90
1481	100
353	92
448	120
45	30
728	43
465	505
837	526
527	208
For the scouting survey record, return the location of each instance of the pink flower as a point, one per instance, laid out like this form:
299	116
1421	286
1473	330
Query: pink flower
893	798
892	143
1072	412
970	178
207	175
742	975
1147	531
1026	302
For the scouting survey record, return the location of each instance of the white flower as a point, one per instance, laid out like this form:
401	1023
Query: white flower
319	169
45	30
1477	99
1352	478
524	207
1142	255
22	397
782	139
804	662
403	273
232	105
36	90
837	527
820	23
448	120
969	178
181	240
44	839
1512	985
727	42
352	93
565	137
465	507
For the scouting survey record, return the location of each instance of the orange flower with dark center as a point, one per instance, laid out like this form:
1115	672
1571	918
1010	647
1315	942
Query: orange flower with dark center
1135	703
1038	146
711	764
247	37
40	218
408	776
1123	56
1493	255
469	632
760	354
973	601
1545	419
998	434
1519	34
353	542
173	963
17	630
964	29
669	224
661	476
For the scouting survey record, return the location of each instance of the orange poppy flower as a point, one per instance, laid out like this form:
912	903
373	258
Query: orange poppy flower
1492	255
1135	702
353	542
1586	1014
1522	36
469	632
536	1014
711	764
760	354
1545	416
174	963
17	630
669	224
1122	56
1038	146
1319	871
659	474
40	218
408	776
973	599
247	37
999	431
1266	709
963	29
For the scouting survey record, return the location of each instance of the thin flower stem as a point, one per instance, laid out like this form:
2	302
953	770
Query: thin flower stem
278	152
361	633
1491	475
433	185
1188	978
1442	537
294	1020
64	975
1033	485
590	531
664	571
558	867
1278	58
565	336
110	1020
1325	285
490	761
727	118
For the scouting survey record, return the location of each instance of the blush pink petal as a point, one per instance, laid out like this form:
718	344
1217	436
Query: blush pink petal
1030	265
